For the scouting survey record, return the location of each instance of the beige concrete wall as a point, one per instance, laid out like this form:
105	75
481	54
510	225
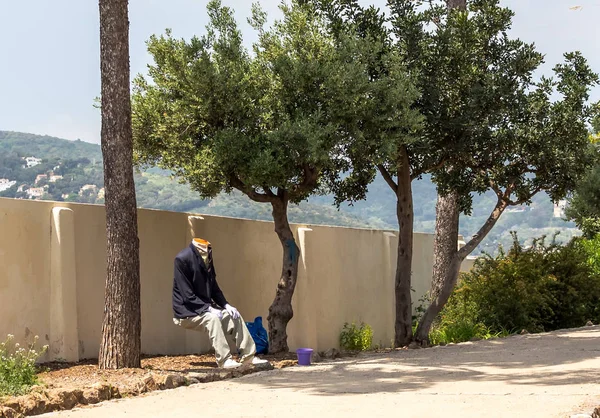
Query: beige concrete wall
24	270
53	267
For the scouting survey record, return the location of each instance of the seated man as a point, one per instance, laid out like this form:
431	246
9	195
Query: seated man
199	304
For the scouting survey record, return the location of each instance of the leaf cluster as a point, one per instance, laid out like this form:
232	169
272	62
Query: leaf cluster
356	337
541	288
584	205
487	123
277	122
18	372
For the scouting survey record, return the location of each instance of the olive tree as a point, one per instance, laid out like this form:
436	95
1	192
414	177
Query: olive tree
275	123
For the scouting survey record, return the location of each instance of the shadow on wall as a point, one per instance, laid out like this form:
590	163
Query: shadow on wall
55	253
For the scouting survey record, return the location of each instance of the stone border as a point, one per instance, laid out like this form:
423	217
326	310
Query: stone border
41	401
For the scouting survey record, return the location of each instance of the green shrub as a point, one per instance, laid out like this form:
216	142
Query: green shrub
592	247
461	331
541	288
17	366
356	338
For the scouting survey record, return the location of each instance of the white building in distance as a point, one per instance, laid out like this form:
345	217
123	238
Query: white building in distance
559	209
6	184
40	177
35	192
87	187
32	161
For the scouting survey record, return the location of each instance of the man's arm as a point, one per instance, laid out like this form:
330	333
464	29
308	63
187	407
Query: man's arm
186	290
217	294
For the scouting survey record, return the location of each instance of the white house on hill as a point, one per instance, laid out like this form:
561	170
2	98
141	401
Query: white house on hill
6	184
32	161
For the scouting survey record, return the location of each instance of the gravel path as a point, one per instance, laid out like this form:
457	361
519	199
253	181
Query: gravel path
545	375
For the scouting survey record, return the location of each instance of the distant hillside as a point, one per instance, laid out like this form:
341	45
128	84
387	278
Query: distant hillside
79	166
72	171
47	147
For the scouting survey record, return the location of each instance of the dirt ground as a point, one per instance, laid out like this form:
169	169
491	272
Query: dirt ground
540	375
63	375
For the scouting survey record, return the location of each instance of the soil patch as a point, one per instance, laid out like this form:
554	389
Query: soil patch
86	372
67	385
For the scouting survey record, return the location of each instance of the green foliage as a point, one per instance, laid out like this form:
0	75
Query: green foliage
592	248
27	145
156	189
503	133
275	122
462	330
584	206
356	338
540	288
456	323
17	366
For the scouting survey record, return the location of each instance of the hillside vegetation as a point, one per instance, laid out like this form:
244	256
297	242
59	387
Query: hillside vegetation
80	166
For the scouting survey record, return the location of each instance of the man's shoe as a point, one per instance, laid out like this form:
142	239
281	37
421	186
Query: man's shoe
231	364
255	361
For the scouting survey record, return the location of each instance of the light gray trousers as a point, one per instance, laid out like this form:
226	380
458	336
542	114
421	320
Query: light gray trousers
225	334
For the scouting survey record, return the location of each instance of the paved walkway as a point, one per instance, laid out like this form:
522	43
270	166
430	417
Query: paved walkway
544	375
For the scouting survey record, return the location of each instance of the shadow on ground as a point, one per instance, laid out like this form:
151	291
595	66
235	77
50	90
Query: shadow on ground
564	358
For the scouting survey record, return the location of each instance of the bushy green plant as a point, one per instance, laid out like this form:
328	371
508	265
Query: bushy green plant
592	247
17	366
356	338
540	288
461	331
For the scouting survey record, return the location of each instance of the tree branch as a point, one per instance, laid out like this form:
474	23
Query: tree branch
309	182
268	191
496	189
388	178
484	230
249	191
525	199
282	194
434	167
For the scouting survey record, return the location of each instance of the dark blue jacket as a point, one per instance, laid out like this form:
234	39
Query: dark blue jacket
195	288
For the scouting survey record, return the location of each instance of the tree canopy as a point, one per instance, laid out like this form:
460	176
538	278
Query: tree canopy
584	204
276	123
277	118
486	123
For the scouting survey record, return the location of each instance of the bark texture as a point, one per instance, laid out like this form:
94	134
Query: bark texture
457	4
446	263
121	327
447	258
280	311
404	213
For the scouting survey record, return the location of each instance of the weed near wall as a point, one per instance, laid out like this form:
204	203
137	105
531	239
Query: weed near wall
17	366
356	338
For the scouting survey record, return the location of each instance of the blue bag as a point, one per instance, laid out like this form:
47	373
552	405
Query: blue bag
259	335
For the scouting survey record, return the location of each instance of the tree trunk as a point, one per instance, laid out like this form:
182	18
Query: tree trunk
456	4
446	263
280	311
448	258
404	212
121	327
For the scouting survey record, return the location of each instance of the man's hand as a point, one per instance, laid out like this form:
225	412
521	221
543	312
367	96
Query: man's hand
216	312
232	311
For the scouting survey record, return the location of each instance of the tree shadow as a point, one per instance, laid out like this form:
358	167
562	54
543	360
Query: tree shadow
570	359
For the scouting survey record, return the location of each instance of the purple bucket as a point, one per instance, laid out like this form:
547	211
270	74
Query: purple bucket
304	355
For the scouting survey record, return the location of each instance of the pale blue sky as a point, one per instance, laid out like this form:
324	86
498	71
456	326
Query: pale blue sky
49	51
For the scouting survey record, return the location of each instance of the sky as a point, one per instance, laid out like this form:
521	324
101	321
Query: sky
50	51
